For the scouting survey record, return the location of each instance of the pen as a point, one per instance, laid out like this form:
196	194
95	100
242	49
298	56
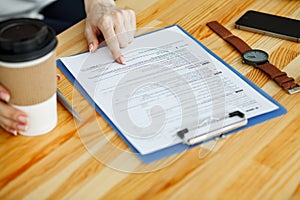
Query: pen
67	105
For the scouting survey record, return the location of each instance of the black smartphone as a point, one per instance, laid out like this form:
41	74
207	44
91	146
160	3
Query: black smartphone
269	24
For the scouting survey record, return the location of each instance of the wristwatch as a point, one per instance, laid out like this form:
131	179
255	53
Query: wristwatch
255	57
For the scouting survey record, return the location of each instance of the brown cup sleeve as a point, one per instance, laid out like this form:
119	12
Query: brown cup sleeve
30	85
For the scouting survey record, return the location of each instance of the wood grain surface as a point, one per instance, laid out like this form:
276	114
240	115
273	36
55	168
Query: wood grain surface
89	161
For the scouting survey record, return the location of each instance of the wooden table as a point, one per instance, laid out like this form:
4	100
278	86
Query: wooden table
261	162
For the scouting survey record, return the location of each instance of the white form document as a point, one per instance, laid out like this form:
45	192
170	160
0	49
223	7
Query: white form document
169	82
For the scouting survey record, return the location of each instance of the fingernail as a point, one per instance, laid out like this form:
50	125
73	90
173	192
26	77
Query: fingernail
22	119
91	48
22	127
14	132
121	60
58	77
4	96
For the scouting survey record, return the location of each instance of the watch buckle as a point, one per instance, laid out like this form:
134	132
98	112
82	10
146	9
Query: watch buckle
294	90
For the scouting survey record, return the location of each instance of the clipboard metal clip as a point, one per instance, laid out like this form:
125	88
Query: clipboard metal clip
231	122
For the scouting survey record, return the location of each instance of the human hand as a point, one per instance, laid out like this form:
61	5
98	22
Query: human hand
117	26
11	119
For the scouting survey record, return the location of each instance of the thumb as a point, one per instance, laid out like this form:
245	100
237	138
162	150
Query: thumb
4	94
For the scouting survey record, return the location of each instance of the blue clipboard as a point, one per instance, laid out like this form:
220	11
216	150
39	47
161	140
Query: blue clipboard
178	148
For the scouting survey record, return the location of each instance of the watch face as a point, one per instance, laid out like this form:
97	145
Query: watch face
255	56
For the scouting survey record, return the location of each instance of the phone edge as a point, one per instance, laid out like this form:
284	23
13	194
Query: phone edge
254	30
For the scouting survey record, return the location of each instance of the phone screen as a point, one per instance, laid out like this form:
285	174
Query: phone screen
278	26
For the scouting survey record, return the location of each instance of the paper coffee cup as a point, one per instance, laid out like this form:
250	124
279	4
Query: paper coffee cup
28	71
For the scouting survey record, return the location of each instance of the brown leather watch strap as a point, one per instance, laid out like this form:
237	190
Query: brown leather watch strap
278	76
224	33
